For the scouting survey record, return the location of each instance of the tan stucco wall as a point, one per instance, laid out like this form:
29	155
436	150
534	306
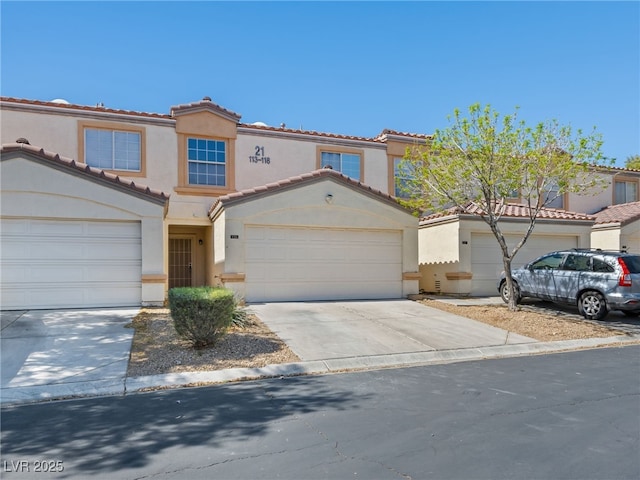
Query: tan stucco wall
290	157
594	202
306	206
607	238
30	189
614	237
630	240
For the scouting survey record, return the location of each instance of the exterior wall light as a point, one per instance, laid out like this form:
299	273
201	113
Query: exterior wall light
329	198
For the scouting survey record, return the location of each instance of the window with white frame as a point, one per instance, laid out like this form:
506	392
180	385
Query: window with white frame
112	149
207	162
626	191
345	163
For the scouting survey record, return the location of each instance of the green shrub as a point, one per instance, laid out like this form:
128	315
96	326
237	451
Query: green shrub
201	315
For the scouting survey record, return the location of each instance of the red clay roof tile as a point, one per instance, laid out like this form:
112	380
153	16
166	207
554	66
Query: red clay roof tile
623	213
83	169
512	210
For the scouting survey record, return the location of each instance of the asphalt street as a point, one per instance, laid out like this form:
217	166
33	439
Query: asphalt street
561	416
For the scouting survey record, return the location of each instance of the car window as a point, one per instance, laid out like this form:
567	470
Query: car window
632	262
599	265
578	263
550	262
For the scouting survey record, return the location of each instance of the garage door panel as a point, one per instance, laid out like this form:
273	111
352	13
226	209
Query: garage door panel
70	263
292	263
486	256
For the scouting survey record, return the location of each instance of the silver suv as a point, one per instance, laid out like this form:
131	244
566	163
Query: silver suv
597	281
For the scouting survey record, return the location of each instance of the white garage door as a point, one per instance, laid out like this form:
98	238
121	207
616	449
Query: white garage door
486	257
69	264
286	264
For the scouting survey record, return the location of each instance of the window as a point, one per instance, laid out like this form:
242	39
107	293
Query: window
601	266
550	262
625	191
580	263
553	198
401	178
345	163
207	161
112	149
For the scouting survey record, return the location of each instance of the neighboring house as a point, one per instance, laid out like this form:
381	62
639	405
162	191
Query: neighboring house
463	256
460	255
617	227
300	238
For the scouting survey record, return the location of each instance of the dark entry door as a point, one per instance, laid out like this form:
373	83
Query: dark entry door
180	262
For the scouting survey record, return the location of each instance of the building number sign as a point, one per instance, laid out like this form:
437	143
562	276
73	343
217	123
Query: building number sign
259	156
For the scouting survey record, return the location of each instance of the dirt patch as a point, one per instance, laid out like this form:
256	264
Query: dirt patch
544	327
158	349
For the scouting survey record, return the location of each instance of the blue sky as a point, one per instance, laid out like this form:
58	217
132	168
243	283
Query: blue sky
352	68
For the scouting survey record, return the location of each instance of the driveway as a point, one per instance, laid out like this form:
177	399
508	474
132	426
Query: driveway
53	353
328	330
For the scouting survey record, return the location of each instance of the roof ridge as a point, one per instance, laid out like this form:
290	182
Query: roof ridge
300	179
81	167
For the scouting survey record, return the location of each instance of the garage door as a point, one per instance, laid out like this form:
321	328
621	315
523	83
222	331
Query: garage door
486	257
69	264
286	264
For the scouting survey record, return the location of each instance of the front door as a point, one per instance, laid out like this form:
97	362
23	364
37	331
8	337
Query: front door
180	262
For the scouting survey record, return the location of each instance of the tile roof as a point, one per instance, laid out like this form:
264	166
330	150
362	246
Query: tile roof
415	136
80	168
85	108
204	104
512	210
308	132
300	180
623	213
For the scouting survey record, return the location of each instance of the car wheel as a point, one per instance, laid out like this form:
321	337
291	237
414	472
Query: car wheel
506	294
592	305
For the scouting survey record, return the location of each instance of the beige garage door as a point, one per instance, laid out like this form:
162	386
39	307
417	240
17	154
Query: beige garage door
486	257
288	264
69	264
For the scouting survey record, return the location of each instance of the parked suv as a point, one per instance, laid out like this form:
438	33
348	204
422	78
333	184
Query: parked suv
596	281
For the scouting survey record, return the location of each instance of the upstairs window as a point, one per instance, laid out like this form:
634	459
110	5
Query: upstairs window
346	163
625	191
207	162
401	178
113	149
553	198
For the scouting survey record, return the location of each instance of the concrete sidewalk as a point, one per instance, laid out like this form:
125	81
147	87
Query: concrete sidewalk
50	355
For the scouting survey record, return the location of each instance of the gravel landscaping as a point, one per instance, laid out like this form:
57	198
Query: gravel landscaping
157	349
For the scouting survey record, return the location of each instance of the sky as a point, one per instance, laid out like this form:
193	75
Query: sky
349	68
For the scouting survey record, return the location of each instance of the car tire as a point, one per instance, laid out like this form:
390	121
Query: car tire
592	305
504	292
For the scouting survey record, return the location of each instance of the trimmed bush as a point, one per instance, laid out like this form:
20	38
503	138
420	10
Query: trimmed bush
201	315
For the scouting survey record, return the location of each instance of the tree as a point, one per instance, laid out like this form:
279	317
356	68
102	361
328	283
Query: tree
480	162
633	162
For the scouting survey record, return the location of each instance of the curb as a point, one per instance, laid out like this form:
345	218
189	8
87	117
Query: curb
337	365
132	385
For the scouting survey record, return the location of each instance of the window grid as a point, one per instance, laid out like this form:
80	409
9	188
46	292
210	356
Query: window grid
112	149
207	162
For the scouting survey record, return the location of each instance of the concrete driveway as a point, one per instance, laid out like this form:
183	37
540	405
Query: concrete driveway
57	353
328	330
